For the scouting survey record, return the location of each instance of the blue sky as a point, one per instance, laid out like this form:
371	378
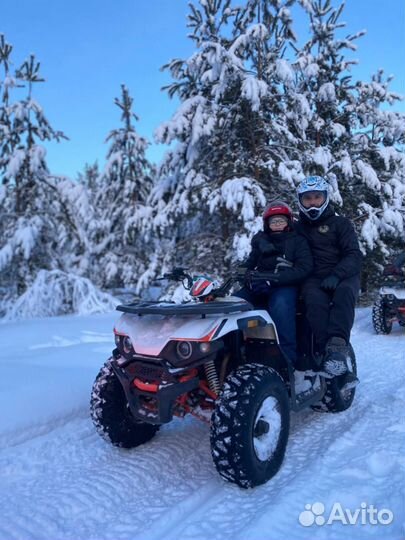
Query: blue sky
88	48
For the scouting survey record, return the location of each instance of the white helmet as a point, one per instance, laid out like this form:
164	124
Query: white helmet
203	286
313	183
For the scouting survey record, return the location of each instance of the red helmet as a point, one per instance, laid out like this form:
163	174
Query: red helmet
277	208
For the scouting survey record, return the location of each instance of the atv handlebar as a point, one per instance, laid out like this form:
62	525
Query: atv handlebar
240	275
179	274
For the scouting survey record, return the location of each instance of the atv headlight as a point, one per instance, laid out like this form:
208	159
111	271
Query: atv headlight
205	347
184	350
127	345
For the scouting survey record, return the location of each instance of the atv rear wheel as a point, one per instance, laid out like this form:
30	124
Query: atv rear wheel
111	415
336	399
250	425
381	321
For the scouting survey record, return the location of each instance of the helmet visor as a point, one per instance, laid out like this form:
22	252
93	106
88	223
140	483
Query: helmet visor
313	199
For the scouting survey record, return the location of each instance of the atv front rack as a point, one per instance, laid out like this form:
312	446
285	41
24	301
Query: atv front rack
192	308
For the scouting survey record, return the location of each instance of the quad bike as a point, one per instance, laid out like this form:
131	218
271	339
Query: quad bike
218	358
390	304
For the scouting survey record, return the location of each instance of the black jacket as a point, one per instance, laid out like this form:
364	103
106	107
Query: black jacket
334	245
267	247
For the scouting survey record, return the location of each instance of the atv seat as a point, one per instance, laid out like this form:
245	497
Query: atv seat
181	310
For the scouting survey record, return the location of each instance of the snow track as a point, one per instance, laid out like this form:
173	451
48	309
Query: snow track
60	480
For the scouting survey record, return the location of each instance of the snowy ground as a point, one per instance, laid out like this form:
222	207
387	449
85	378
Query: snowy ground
60	480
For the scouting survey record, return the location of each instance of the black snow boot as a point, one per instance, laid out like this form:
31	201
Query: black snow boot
335	363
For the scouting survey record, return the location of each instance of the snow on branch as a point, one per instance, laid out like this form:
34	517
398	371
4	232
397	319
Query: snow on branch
240	195
368	174
58	293
254	90
327	92
284	71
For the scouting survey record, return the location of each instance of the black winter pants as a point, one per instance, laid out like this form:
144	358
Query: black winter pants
330	313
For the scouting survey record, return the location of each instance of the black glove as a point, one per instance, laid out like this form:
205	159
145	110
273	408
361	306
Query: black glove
283	264
330	283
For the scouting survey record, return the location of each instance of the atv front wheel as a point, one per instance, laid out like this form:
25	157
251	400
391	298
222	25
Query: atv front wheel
336	398
381	321
111	415
250	425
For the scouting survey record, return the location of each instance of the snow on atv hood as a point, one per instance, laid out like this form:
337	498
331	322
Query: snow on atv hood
150	333
399	293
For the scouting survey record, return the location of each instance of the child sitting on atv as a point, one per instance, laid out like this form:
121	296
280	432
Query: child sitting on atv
280	251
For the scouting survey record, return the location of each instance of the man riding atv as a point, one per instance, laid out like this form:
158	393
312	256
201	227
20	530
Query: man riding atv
331	291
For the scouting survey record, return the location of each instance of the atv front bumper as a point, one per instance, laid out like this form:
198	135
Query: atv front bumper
151	390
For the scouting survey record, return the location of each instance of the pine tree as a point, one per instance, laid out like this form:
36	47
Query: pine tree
89	178
257	114
40	213
214	182
341	129
7	143
121	191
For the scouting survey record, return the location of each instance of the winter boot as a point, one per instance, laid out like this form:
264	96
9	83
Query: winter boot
335	363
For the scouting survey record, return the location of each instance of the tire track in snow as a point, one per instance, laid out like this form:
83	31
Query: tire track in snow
238	508
325	439
67	483
23	435
76	476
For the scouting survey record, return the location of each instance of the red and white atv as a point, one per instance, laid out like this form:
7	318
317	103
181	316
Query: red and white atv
218	358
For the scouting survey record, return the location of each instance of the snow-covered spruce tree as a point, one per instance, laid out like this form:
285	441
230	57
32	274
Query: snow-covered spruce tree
343	130
119	251
6	149
214	182
40	214
7	82
89	178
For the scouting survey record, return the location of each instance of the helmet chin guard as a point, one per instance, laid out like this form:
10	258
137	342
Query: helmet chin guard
313	183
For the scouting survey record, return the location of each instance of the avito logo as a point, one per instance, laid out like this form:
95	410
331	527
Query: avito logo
365	515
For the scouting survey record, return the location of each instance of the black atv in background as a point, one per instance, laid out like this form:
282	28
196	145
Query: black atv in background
389	307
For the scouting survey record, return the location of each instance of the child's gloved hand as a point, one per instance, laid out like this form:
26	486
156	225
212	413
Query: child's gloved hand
282	264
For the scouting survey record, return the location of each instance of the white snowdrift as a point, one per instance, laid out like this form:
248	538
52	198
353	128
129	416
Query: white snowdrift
58	293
